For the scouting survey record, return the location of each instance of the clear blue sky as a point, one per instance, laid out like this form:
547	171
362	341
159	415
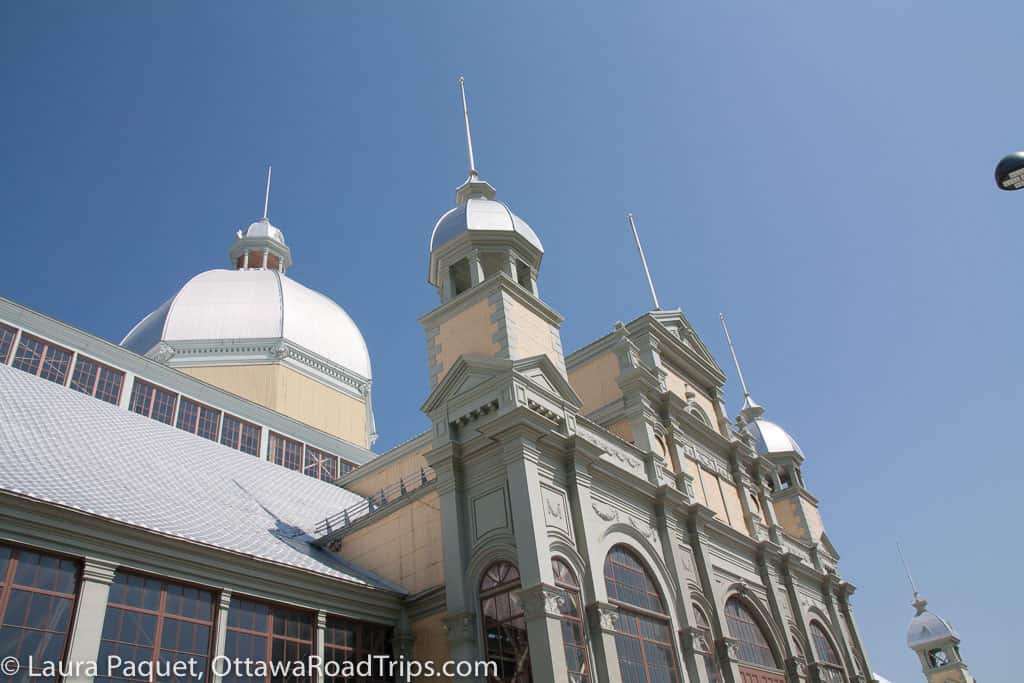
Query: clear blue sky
822	172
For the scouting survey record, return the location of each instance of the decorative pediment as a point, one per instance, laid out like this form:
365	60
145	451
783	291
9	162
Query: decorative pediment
546	376
468	375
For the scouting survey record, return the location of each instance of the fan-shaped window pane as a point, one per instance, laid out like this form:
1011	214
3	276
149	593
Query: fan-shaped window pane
753	645
504	623
705	645
643	640
574	641
832	672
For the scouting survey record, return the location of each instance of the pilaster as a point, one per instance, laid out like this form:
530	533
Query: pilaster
90	609
220	636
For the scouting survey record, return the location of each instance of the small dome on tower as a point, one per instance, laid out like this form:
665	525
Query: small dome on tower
481	213
263	228
927	628
770	438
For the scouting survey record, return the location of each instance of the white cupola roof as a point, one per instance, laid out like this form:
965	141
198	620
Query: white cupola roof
927	628
481	213
258	305
771	439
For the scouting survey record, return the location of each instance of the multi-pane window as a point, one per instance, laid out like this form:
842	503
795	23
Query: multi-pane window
97	380
37	596
42	358
198	419
285	451
753	646
152	401
350	641
832	669
321	465
574	640
704	645
240	434
504	624
150	620
643	636
7	334
267	633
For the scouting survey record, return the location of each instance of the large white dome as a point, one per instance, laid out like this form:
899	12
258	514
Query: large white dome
770	438
254	304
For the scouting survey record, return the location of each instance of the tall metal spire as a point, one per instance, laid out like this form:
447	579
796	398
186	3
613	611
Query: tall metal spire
919	602
266	196
643	260
751	410
469	135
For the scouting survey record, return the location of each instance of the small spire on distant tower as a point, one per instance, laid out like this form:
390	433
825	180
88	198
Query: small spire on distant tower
919	602
751	410
469	135
266	196
643	260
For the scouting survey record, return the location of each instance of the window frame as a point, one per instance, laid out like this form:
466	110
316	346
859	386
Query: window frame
753	620
359	649
151	401
8	586
48	346
637	613
269	633
284	455
100	367
162	615
510	587
238	440
200	407
5	354
572	592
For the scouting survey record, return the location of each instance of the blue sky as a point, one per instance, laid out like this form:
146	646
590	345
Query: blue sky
822	172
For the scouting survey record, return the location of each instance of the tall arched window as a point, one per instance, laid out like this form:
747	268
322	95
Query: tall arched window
574	640
505	641
832	667
643	636
753	647
705	644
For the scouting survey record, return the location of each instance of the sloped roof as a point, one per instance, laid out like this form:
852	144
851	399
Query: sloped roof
69	449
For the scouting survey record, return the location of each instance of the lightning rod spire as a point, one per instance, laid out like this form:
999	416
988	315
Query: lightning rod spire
643	260
469	136
266	196
735	360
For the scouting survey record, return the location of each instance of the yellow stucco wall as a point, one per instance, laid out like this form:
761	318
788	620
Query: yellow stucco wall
470	331
595	381
529	334
677	384
407	468
404	546
732	503
622	429
290	392
431	641
713	494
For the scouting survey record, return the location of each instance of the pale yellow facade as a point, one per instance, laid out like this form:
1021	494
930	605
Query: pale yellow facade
799	518
407	468
595	381
680	385
431	641
404	546
530	335
468	332
291	393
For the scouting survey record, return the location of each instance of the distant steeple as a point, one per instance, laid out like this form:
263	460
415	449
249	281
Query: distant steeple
261	245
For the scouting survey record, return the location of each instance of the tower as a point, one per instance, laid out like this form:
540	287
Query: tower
484	262
937	645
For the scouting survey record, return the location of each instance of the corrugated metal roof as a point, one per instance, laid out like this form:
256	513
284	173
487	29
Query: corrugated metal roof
66	448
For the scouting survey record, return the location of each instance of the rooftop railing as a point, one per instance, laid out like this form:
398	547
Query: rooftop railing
376	502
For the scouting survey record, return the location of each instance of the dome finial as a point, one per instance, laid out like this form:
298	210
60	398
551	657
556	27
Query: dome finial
919	602
751	410
266	196
469	135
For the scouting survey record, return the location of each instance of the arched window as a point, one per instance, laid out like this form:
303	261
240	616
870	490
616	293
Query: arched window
705	644
574	640
643	636
505	641
699	413
753	645
832	669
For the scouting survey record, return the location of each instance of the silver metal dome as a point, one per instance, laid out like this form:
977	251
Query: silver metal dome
927	628
770	438
484	214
